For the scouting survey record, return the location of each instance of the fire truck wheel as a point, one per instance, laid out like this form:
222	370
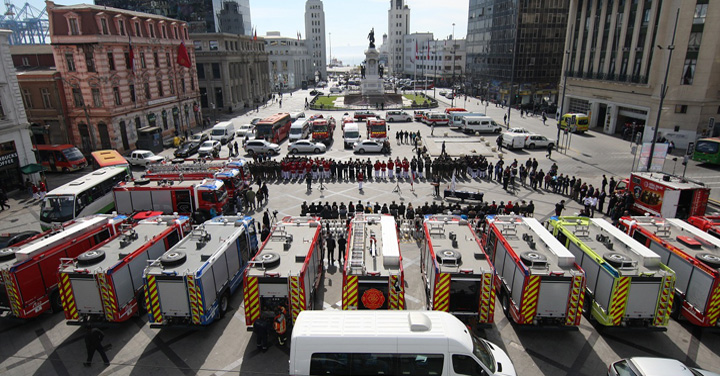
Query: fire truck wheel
173	258
142	181
142	306
91	257
268	259
676	308
224	303
7	253
616	259
710	259
505	302
448	255
529	258
55	302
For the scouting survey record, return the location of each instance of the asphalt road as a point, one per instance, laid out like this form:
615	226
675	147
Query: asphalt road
47	346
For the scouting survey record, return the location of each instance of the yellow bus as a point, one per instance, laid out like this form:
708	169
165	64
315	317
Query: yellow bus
581	122
108	158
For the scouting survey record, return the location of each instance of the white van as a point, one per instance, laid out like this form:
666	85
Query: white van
472	124
223	132
299	130
513	140
351	134
391	343
456	117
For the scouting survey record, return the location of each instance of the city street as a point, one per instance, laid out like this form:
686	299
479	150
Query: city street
47	346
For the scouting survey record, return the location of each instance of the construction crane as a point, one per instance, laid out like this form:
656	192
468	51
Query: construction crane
29	25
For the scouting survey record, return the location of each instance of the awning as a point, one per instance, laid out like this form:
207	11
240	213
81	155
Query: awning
32	168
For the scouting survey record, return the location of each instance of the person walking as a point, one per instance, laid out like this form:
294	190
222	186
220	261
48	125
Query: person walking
3	200
432	129
549	151
559	208
342	243
266	218
330	242
308	181
93	343
280	325
260	328
360	178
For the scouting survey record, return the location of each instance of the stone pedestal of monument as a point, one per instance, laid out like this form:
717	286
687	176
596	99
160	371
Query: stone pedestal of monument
372	84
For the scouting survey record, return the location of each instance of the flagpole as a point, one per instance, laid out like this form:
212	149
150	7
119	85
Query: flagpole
435	76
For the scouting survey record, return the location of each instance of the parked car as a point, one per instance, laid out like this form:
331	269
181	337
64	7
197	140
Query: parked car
645	366
187	149
533	141
245	129
143	158
210	148
9	239
199	138
363	115
261	146
316	92
306	146
370	146
335	90
517	130
392	116
436	118
419	115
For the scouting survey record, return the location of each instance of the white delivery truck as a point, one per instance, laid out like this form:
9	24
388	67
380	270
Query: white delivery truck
472	124
223	132
300	129
351	134
457	116
391	343
191	284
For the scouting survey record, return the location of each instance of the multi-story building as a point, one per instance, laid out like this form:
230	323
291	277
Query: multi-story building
617	58
122	71
232	71
234	17
289	61
519	43
315	37
442	61
42	92
398	28
15	145
199	15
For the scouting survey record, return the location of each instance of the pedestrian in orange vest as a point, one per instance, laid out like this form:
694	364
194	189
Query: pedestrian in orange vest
280	324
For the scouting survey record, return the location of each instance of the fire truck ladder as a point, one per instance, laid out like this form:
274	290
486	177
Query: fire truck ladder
662	228
508	228
357	252
186	168
581	229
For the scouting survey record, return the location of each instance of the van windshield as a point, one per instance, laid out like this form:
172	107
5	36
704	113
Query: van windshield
482	351
352	134
218	132
296	130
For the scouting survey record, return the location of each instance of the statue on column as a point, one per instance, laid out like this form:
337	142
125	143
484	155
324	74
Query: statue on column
362	71
371	38
381	70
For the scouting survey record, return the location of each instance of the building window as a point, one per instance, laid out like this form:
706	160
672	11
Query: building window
214	45
175	32
164	32
2	111
142	60
160	88
167	59
27	98
116	95
688	71
137	29
157	60
70	61
147	90
121	27
74	28
192	83
111	61
97	101
77	97
151	27
681	109
182	84
700	13
132	93
216	70
172	87
694	42
47	100
89	60
104	26
200	71
25	62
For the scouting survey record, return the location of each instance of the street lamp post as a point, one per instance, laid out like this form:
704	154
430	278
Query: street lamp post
452	61
562	103
663	92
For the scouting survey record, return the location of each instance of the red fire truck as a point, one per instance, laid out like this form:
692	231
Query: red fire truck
231	178
322	130
29	273
709	223
665	195
373	276
538	281
106	283
693	255
286	271
376	129
458	276
208	197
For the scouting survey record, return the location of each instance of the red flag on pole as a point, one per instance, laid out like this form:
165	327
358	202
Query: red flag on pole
428	49
416	50
183	58
131	54
255	36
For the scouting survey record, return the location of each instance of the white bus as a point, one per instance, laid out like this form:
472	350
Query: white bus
391	343
90	194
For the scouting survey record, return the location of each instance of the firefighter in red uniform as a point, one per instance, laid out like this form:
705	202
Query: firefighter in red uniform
326	167
406	168
377	170
360	178
383	167
280	325
390	166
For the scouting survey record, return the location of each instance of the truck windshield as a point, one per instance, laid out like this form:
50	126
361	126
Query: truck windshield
296	131
73	154
57	208
352	134
320	128
481	349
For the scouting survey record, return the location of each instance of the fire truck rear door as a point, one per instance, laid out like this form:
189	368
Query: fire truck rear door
87	293
670	203
643	296
553	299
464	295
173	296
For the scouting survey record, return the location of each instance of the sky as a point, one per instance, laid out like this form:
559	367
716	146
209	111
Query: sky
348	22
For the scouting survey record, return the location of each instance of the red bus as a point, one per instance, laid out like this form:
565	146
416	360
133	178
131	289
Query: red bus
63	158
274	128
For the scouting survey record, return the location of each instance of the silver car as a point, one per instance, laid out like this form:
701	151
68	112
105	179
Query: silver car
369	146
261	146
306	146
209	148
642	366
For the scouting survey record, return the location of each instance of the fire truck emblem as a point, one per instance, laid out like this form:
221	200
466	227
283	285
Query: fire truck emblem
373	299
